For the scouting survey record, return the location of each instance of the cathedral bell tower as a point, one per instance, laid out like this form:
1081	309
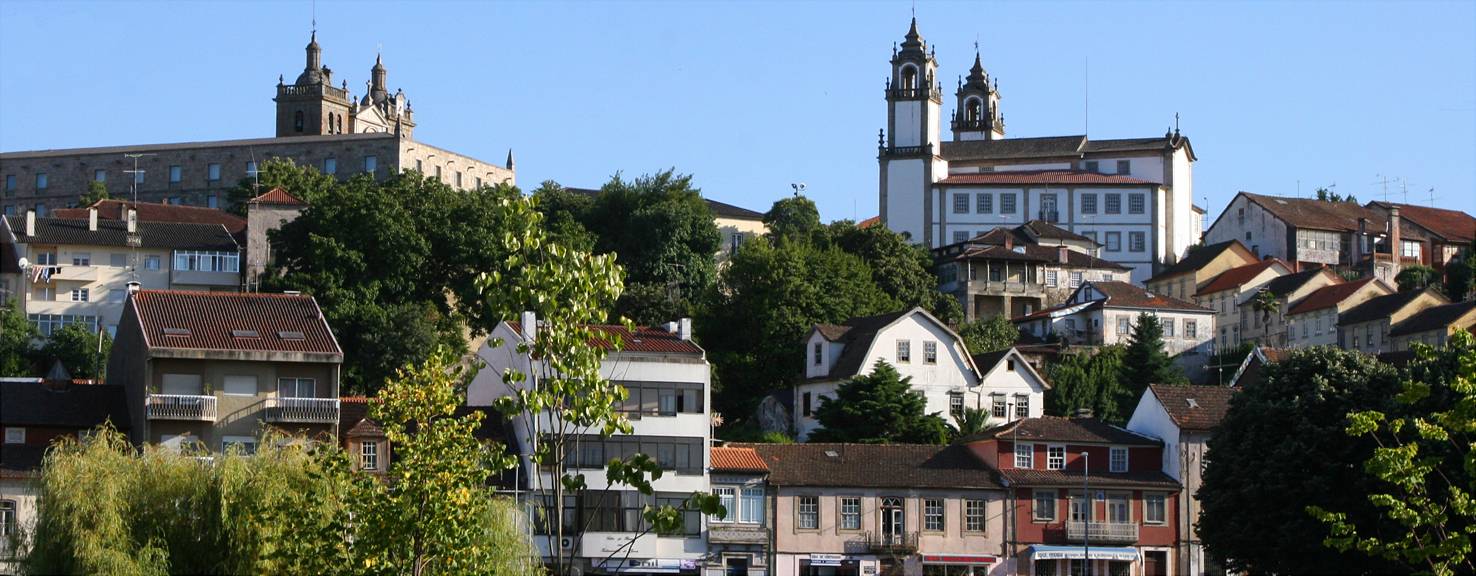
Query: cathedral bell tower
909	148
312	105
977	116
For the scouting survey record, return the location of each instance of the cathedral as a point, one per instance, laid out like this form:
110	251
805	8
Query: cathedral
1133	197
312	106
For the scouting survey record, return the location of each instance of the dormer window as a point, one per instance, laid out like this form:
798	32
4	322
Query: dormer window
1119	459
818	351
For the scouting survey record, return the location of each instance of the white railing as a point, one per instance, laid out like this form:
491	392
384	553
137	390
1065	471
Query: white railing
1102	531
302	410
180	407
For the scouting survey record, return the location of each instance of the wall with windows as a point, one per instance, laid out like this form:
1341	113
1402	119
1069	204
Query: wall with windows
240	389
1261	231
89	283
1012	389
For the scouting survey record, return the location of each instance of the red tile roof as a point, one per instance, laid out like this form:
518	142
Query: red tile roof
211	318
1149	479
1195	407
644	339
276	196
1328	296
1454	225
1239	275
737	459
869	222
1319	214
1122	294
875	465
1066	430
1043	177
153	212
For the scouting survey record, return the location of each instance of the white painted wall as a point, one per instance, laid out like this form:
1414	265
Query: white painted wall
908	128
1151	419
1267	233
905	189
1023	380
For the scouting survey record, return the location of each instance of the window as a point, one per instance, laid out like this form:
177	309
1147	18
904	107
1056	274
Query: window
212	172
1118	459
662	398
117	295
1045	506
1168	327
1088	203
1124	325
438	174
1117	509
808	513
240	386
735	240
7	518
458	179
1093	166
960	237
1153	509
369	455
212	202
174	174
41	181
1007	203
960	203
330	165
100	175
9	182
1114	203
1055	457
207	261
751	504
1076	279
1409	249
238	445
728	497
1136	241
47	323
297	388
805	403
181	384
1022	406
80	294
933	514
955	404
371	164
850	513
818	353
40	210
43	293
1051	278
1024	455
9	210
1114	241
81	259
479	181
998	407
1191	329
1135	203
250	169
151	262
1124	166
973	515
986	204
930	352
904	351
15	435
173	200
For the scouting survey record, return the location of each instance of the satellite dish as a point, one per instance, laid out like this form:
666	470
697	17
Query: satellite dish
24	263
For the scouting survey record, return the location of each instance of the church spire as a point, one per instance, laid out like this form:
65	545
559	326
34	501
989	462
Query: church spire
914	41
377	89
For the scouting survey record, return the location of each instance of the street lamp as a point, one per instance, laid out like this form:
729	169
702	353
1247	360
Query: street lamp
1086	506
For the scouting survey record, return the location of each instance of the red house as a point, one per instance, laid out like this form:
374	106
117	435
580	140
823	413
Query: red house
1127	523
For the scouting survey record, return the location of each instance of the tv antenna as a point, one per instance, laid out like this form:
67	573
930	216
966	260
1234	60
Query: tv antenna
1432	198
1404	186
132	240
1385	180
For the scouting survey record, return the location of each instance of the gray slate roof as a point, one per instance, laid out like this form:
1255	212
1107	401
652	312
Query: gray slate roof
1433	318
1063	430
875	465
1283	285
171	235
1195	260
856	334
1379	307
1013	148
263	142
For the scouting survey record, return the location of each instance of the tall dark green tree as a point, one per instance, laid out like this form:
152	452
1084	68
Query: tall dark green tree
302	182
1088	380
1283	447
1145	362
900	268
17	341
659	228
563	213
1417	277
796	219
96	191
879	408
751	322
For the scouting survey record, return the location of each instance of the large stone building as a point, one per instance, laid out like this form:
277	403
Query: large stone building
317	125
1135	196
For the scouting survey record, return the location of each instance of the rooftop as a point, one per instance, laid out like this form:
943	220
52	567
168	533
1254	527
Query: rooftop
1043	177
1150	479
1454	225
1239	276
67	406
1283	285
1381	306
171	235
1055	146
856	334
1329	296
233	321
260	142
1197	259
276	196
737	459
155	212
1319	214
875	465
1058	429
1125	295
1195	407
643	339
1434	318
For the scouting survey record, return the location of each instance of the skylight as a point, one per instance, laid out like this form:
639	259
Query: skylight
291	335
176	332
245	334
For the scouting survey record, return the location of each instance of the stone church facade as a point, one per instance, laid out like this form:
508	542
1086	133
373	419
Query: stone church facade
317	124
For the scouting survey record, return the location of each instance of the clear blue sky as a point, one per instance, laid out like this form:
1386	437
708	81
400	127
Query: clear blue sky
750	97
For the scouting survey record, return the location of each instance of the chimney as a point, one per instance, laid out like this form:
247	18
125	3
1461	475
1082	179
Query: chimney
132	217
1061	254
1395	249
92	219
134	286
1083	413
685	328
1009	241
30	222
530	326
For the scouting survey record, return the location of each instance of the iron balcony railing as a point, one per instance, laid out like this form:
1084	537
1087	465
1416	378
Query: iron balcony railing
180	407
302	410
1102	531
892	541
1050	215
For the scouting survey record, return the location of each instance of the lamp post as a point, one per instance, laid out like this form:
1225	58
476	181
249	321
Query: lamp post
1086	506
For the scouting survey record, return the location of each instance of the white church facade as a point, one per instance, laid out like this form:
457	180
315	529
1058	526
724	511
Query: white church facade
1134	196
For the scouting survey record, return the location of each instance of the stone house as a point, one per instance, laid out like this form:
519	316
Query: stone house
1368	327
1313	321
738	543
1016	271
1306	232
1195	271
1230	289
265	213
1435	235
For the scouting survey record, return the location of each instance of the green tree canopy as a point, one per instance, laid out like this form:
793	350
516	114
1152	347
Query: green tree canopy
900	268
78	349
766	299
1145	362
17	341
1282	447
1416	277
1088	380
302	182
879	408
96	191
988	335
796	219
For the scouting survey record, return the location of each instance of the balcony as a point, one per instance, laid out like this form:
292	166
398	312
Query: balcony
180	407
906	150
894	542
1006	288
302	410
720	534
1104	532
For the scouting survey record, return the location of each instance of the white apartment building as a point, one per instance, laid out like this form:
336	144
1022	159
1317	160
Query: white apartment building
79	269
1104	313
669	380
1135	196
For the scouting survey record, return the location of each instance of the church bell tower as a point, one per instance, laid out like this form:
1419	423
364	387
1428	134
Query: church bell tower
977	116
312	105
908	150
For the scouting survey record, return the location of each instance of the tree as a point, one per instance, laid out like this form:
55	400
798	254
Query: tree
969	421
901	269
17	338
1087	380
879	408
1326	195
1145	362
660	230
1416	277
563	211
1266	304
1459	278
767	297
567	397
305	183
1282	447
992	335
796	219
79	350
96	191
1426	464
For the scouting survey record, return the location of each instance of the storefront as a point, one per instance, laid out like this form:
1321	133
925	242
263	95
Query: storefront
1072	560
957	565
678	566
837	565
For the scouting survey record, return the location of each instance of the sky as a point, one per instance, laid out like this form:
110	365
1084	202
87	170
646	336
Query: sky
752	97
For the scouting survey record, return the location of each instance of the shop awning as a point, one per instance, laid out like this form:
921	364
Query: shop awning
1040	552
958	559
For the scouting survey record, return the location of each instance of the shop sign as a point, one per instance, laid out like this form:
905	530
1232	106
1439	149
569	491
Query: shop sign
827	559
650	565
957	559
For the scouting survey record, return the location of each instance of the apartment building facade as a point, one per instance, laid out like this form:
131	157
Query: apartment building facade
206	371
1368	327
1104	313
739	542
1016	271
1314	320
1226	292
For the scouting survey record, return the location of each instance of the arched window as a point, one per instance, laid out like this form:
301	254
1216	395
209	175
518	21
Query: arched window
909	77
340	123
973	110
297	125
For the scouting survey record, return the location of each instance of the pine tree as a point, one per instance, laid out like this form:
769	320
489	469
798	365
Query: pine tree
1145	362
879	408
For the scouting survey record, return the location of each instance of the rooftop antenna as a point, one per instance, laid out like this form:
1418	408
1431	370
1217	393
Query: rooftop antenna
315	17
1404	185
1299	182
133	240
1086	96
1385	180
1432	198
